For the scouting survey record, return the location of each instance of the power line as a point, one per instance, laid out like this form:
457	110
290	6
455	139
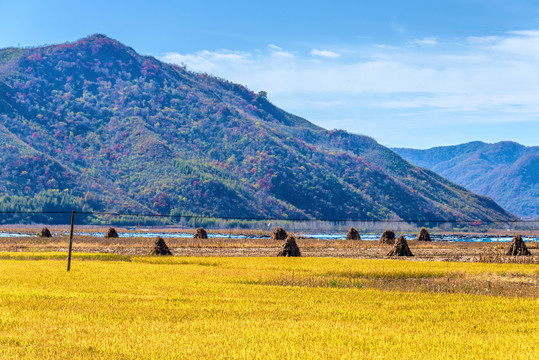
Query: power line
35	212
228	218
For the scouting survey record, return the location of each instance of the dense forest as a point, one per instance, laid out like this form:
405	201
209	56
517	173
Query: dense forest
91	125
505	171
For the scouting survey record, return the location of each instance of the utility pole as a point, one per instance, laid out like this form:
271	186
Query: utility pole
70	240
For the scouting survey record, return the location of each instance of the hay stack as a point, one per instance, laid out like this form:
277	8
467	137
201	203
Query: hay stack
200	233
423	235
45	232
160	247
518	247
290	248
279	234
388	237
111	233
401	248
353	234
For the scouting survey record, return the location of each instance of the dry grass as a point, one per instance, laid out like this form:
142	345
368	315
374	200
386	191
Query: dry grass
514	285
498	254
361	249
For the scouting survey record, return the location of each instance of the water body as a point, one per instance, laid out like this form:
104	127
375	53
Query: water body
6	235
448	238
367	237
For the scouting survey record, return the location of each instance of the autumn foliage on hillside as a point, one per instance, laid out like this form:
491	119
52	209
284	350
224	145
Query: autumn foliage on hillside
102	128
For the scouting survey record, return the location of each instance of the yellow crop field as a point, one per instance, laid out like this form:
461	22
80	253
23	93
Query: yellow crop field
121	307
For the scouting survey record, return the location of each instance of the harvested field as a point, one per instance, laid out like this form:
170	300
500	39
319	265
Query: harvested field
227	247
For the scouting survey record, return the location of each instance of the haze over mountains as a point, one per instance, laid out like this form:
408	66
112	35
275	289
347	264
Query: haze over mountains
95	126
506	171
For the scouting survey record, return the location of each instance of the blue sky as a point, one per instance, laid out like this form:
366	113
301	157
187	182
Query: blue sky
408	73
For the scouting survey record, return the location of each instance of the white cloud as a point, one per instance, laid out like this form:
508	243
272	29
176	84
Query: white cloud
274	47
208	61
520	43
428	41
494	78
282	55
278	53
325	53
386	47
326	103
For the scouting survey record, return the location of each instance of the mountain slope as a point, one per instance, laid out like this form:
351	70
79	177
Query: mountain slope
112	130
506	171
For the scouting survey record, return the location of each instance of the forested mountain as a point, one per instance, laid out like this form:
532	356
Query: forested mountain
94	125
506	171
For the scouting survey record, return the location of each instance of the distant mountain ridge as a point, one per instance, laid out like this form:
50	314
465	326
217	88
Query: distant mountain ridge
93	125
506	171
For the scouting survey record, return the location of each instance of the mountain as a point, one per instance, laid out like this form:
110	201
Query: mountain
95	126
506	171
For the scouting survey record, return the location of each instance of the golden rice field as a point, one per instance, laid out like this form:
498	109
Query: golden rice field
122	307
